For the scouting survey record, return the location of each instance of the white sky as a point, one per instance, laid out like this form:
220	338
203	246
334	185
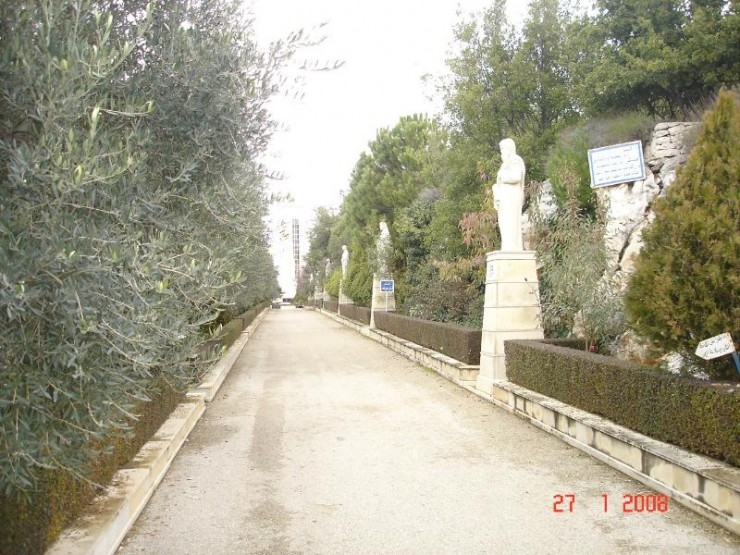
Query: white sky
386	46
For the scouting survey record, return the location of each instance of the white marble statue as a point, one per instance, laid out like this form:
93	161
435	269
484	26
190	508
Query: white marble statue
383	247
508	196
345	260
327	269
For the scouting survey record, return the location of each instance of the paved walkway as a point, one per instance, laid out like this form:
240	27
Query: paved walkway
322	441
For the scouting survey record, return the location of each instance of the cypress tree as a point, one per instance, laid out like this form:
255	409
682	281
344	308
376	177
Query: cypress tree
686	286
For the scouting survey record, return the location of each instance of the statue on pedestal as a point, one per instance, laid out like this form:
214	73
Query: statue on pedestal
345	261
383	248
508	197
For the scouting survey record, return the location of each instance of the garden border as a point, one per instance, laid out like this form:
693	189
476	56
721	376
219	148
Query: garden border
103	527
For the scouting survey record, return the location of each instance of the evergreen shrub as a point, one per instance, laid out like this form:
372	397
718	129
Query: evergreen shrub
686	284
674	409
30	524
356	313
458	342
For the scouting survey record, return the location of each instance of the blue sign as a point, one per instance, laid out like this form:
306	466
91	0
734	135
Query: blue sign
386	285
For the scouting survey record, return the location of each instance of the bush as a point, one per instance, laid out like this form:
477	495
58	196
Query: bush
686	285
30	524
575	279
356	313
332	284
132	210
458	342
571	153
677	410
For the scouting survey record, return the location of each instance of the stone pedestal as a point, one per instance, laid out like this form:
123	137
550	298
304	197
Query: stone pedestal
382	301
511	310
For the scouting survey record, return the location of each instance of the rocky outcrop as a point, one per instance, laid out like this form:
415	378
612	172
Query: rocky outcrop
629	210
629	205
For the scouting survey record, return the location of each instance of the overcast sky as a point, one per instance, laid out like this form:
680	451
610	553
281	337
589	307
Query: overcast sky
386	46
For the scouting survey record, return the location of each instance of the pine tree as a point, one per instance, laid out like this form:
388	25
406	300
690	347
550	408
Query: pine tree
686	286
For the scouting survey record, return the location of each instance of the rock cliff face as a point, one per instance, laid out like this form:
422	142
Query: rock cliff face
629	205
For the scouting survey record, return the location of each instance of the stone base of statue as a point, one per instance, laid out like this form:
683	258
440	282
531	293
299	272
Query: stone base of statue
383	301
511	311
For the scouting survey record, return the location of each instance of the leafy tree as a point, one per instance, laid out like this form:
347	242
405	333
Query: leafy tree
319	239
132	209
686	286
664	56
577	293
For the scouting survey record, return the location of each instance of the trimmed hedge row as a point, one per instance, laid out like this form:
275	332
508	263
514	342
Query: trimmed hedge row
331	305
682	411
357	313
30	526
459	342
231	331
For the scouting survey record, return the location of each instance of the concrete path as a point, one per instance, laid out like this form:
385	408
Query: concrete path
322	441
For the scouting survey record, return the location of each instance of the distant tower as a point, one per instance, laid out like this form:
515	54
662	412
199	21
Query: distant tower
297	248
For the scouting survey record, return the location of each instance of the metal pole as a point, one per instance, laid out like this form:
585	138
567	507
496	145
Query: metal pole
736	358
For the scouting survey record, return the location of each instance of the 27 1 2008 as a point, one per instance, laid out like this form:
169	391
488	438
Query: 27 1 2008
630	503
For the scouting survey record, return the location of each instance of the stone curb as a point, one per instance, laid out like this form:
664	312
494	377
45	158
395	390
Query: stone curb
104	526
704	485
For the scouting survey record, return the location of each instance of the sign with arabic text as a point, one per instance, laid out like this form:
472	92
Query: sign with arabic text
622	163
715	347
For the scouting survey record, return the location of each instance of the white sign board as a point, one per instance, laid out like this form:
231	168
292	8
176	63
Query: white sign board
622	163
716	346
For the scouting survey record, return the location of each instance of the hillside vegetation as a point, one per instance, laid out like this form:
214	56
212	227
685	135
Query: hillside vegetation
566	81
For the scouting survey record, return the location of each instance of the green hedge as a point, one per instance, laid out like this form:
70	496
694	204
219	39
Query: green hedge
459	342
331	305
356	313
682	411
29	526
231	331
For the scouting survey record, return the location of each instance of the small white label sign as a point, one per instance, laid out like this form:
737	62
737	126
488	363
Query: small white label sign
715	347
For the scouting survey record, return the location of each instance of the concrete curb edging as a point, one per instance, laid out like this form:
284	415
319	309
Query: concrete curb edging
104	526
217	374
704	485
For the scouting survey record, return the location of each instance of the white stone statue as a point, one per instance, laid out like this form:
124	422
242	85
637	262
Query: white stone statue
327	269
345	260
383	247
508	197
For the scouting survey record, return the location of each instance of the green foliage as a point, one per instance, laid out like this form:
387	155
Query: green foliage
663	56
359	281
28	525
686	285
332	284
319	239
571	158
458	342
132	210
576	290
569	155
685	412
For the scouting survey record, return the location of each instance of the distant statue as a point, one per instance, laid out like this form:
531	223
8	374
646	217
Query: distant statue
508	196
383	247
345	260
327	269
